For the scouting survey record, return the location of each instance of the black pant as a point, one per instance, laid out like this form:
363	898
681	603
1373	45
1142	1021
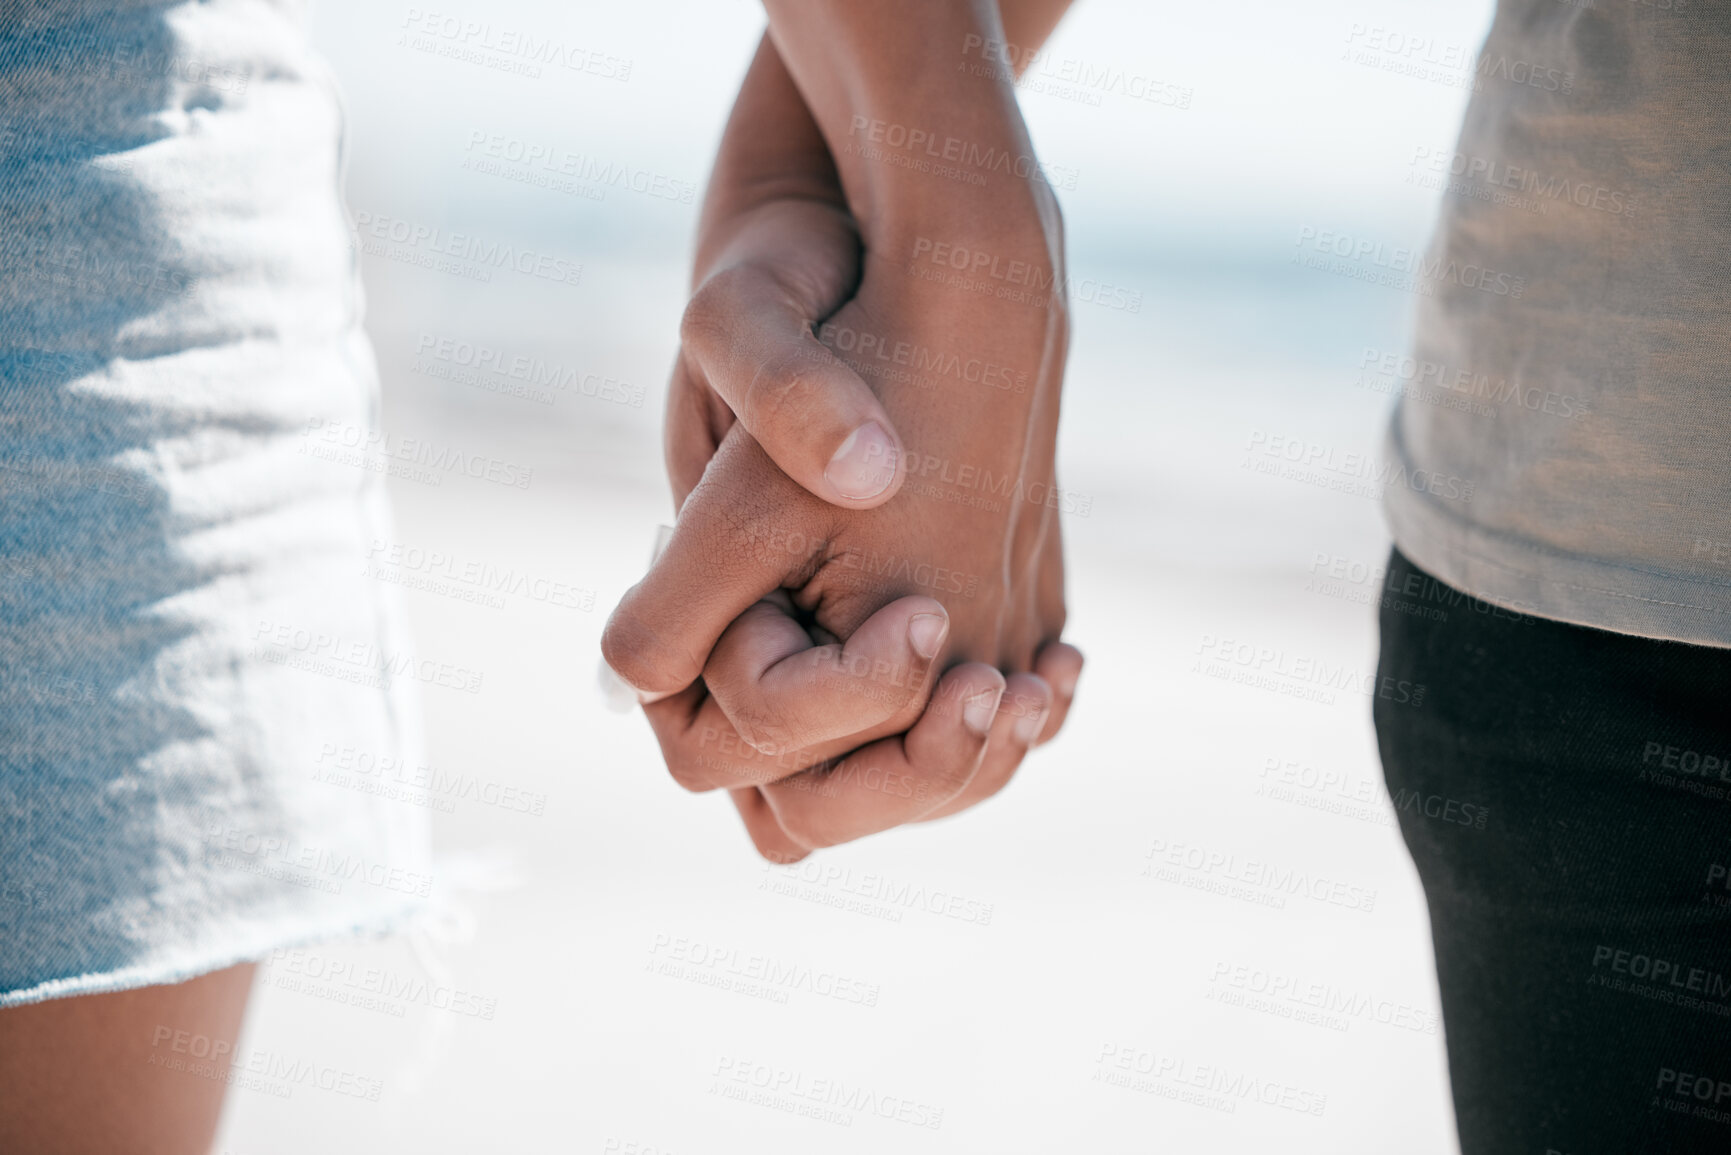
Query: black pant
1566	795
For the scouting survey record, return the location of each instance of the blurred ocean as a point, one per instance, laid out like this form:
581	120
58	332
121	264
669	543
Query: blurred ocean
1189	925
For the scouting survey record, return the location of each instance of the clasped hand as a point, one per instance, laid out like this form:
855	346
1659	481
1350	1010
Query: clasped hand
855	622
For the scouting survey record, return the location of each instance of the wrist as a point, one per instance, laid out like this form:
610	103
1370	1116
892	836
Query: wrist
916	136
994	253
903	177
1020	217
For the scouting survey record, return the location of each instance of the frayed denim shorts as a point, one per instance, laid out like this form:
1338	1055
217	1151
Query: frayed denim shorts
198	678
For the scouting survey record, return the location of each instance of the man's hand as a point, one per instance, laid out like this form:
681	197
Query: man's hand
973	383
778	251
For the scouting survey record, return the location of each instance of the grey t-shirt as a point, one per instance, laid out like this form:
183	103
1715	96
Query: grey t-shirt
1568	398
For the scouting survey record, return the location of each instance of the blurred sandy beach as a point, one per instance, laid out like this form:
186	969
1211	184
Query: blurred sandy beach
1188	925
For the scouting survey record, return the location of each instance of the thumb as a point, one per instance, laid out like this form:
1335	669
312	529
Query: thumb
749	335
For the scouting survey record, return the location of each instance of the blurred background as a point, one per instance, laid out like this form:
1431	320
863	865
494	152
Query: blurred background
1189	924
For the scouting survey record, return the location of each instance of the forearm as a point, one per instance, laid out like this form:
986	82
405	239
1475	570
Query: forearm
771	151
1028	24
917	138
778	249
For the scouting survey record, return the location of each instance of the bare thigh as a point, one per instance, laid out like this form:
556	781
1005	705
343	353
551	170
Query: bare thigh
77	1075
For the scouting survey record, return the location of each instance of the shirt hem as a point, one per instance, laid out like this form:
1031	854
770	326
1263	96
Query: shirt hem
1550	584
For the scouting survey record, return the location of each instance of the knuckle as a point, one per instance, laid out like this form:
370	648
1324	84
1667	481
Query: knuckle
635	652
949	779
875	686
767	731
805	826
706	316
781	389
950	772
690	776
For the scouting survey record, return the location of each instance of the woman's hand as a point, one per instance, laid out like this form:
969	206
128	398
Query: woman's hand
974	381
778	251
975	530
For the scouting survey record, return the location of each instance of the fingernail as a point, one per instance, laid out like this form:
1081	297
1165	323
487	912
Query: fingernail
663	535
926	634
1064	685
865	464
619	696
1028	726
979	711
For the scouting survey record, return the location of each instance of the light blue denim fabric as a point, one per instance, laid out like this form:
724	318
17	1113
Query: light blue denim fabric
196	677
